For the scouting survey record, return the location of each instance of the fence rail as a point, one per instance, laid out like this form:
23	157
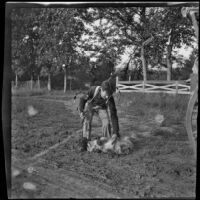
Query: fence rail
174	87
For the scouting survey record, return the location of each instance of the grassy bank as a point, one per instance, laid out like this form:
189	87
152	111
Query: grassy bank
147	106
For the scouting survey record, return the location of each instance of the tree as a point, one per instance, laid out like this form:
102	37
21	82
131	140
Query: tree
122	27
64	31
25	40
101	43
48	36
155	31
187	65
172	31
17	32
69	33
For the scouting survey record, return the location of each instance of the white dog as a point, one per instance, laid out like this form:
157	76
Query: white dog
113	144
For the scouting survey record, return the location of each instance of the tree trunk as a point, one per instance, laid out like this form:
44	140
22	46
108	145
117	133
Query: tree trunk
143	20
129	77
31	82
49	82
169	64
146	42
169	53
38	82
16	80
65	80
196	27
143	64
70	84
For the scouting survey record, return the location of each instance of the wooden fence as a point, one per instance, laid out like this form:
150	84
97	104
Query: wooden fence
151	86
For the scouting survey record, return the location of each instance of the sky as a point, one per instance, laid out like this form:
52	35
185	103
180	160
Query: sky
185	51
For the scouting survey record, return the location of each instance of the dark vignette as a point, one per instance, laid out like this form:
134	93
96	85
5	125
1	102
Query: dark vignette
6	83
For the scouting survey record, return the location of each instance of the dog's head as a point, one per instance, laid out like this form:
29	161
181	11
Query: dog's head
97	144
94	145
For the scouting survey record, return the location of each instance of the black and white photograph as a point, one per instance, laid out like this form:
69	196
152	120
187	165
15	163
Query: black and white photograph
100	99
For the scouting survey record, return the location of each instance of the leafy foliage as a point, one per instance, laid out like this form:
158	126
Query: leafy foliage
52	40
171	29
45	38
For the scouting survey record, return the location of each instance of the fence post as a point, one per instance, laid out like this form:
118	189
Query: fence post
16	80
176	87
38	82
143	86
117	79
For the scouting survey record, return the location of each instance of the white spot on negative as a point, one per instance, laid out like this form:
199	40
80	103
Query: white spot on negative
159	118
32	111
15	172
29	186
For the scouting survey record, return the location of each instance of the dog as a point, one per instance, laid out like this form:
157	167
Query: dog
113	144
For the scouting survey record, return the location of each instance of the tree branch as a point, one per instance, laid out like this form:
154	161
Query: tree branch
148	41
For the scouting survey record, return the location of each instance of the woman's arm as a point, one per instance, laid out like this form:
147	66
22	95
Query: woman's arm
113	115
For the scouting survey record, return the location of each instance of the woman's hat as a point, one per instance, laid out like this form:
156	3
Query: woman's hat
109	86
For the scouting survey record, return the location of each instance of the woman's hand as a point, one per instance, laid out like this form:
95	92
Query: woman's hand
81	115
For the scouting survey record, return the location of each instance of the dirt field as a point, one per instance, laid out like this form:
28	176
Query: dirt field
45	151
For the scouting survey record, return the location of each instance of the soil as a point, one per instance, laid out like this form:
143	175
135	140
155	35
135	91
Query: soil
161	164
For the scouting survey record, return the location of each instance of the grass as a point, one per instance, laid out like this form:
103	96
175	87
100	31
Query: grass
144	105
160	100
55	94
172	107
153	157
31	134
23	91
